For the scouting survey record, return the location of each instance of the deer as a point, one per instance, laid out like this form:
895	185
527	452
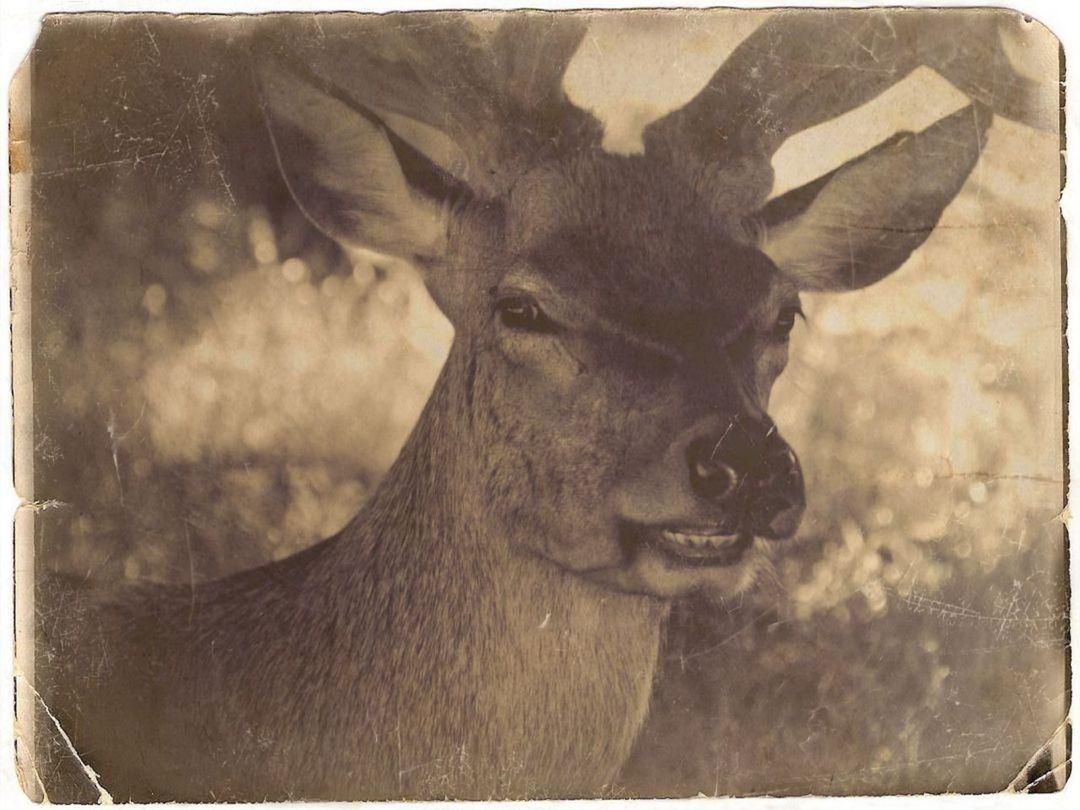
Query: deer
596	446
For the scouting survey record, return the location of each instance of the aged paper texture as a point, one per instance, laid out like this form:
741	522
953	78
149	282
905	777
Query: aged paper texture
515	405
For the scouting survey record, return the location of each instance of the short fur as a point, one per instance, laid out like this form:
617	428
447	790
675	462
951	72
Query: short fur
410	656
488	625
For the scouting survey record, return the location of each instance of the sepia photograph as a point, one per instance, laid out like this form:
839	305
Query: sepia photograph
499	405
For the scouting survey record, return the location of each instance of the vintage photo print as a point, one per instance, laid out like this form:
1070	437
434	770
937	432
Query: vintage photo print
502	405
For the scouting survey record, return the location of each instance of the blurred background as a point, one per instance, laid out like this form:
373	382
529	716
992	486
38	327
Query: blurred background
215	385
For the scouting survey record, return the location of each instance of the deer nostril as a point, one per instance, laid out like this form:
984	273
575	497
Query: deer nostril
710	478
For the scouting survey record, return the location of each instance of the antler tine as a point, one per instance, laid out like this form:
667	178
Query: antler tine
971	55
532	51
800	69
496	94
433	69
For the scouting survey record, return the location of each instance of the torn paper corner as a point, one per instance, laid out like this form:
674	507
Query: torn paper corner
29	776
1048	770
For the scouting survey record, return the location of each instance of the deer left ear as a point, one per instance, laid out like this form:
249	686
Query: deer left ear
355	178
859	223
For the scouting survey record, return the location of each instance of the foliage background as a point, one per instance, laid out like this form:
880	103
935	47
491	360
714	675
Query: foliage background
216	385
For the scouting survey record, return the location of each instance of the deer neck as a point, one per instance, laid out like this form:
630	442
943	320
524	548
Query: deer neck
528	661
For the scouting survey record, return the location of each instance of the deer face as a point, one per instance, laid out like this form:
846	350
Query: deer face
620	321
622	348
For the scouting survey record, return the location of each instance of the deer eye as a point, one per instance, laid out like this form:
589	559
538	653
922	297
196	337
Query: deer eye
785	321
522	313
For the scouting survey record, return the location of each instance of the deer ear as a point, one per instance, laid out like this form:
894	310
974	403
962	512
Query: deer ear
859	223
351	174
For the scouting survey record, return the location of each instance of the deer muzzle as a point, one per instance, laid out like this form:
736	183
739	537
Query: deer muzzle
750	476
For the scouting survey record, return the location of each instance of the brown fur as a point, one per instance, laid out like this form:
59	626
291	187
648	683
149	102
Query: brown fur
486	627
411	655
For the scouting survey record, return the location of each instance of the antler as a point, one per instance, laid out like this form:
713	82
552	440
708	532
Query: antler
802	68
496	94
532	51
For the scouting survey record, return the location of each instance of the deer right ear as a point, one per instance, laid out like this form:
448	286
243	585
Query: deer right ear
354	177
862	221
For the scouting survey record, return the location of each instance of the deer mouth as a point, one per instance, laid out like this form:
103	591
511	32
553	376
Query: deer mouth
698	546
670	561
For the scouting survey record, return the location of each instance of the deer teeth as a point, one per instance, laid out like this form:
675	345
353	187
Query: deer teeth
700	541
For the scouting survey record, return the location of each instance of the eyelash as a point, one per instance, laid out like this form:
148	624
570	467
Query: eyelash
522	313
785	321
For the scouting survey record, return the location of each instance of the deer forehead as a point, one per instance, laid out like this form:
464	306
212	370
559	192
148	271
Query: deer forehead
646	243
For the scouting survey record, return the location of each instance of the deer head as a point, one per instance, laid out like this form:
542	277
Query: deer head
619	320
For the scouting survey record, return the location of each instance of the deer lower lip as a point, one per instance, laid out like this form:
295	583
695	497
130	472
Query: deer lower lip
699	546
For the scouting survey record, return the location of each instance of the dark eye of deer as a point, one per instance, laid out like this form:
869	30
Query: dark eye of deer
523	313
785	322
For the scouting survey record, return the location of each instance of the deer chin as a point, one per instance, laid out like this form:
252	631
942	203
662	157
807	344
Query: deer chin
673	561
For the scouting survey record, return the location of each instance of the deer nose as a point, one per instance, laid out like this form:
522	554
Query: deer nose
751	471
779	499
710	477
720	461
